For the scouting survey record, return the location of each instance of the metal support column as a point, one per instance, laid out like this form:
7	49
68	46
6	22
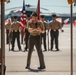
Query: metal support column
71	12
2	38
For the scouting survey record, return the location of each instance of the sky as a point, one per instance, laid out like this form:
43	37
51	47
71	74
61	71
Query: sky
53	6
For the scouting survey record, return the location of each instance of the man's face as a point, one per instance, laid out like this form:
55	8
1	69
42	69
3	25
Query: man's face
43	19
28	18
15	19
54	18
35	18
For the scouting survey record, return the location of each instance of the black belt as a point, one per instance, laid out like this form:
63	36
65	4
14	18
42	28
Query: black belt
35	36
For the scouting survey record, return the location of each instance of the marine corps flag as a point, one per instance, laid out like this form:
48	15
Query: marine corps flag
38	9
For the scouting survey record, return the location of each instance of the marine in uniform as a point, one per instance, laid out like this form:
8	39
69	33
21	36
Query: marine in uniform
15	26
35	28
43	35
7	26
55	26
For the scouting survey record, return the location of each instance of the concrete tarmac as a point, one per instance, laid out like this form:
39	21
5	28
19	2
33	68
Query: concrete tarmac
57	62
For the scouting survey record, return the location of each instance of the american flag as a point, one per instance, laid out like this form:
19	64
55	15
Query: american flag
67	21
8	21
23	16
59	20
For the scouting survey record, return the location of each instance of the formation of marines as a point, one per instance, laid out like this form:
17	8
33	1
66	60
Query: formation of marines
35	33
15	30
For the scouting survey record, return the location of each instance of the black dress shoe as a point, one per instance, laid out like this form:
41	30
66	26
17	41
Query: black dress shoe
27	67
7	43
62	30
45	50
51	49
57	49
12	49
41	67
21	42
20	49
24	50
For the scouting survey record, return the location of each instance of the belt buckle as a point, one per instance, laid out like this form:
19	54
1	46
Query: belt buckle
54	30
15	30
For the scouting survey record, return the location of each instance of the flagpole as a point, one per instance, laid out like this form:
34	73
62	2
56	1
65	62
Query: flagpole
38	9
71	12
48	37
